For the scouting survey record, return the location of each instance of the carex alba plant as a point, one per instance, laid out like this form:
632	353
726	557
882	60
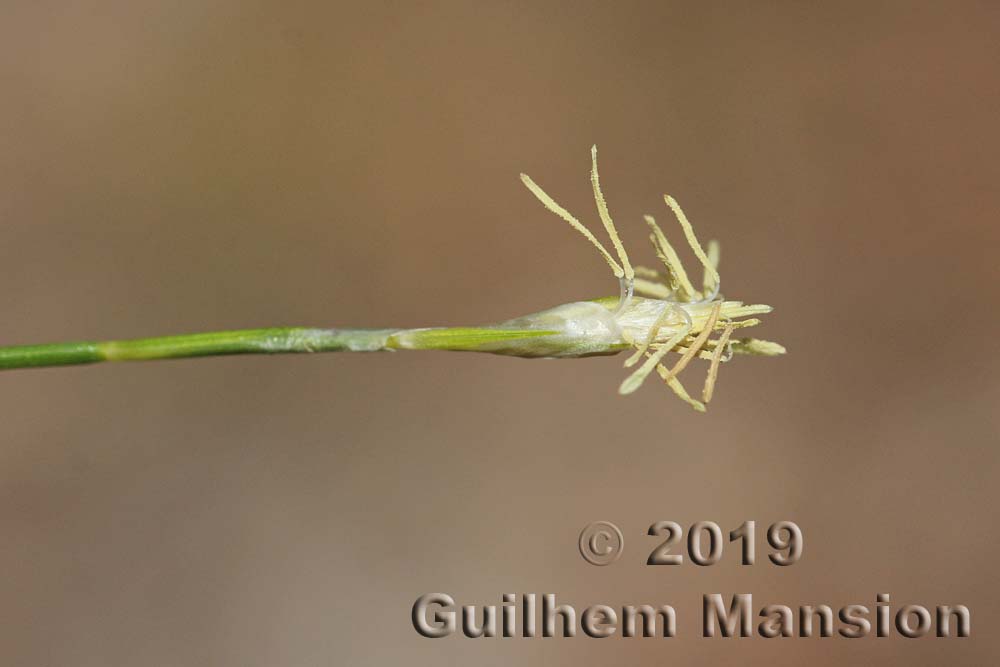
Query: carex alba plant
658	313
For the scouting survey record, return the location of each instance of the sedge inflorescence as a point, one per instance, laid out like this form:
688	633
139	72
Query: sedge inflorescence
661	310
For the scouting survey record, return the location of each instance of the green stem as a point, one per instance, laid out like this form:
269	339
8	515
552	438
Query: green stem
287	340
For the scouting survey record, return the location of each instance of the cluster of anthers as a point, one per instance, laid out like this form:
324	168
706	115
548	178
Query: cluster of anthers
660	311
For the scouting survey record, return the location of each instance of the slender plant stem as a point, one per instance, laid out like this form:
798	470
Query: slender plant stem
286	340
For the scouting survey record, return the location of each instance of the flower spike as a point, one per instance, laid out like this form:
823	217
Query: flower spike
658	312
669	314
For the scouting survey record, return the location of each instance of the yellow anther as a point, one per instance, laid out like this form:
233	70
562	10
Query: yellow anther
654	330
635	380
707	281
698	342
713	370
551	204
692	239
602	211
666	254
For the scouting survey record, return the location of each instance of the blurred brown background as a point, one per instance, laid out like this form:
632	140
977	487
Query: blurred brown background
171	167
